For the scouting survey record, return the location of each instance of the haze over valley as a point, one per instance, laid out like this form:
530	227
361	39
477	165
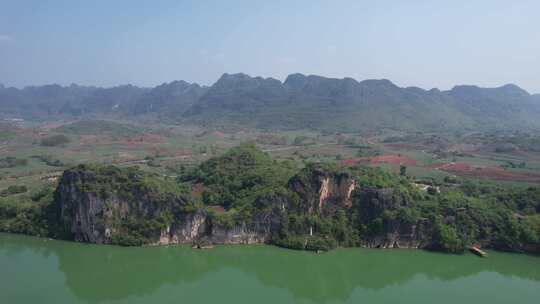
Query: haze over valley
279	152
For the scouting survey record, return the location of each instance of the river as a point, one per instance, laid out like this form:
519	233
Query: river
34	270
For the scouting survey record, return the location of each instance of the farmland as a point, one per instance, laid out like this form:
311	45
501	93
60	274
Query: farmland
165	149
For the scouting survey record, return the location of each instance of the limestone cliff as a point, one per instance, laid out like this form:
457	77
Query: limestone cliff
105	205
111	210
319	209
323	191
393	231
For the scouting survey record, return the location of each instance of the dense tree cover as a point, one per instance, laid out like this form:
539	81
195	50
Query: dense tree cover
246	185
128	181
502	217
33	214
312	102
236	179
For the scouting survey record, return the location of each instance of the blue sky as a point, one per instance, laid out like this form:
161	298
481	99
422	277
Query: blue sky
413	43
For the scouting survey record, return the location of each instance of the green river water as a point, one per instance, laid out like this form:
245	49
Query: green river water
34	270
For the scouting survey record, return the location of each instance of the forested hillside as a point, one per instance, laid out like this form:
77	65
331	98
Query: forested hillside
300	102
244	196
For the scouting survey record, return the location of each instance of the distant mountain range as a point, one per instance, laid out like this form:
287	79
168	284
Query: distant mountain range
300	102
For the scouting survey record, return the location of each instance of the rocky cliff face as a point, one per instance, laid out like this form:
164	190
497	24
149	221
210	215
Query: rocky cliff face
392	232
95	214
119	215
198	228
323	191
113	210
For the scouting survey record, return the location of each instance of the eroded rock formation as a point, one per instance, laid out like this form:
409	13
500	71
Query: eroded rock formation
324	191
117	210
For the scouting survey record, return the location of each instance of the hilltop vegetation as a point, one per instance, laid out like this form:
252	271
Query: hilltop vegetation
318	207
315	102
235	179
300	102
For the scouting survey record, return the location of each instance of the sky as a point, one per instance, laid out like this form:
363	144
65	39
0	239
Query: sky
411	42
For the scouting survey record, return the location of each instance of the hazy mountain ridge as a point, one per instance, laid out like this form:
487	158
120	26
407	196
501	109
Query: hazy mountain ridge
346	104
301	101
50	101
169	98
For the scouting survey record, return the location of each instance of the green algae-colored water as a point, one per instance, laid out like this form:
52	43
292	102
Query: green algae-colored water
34	270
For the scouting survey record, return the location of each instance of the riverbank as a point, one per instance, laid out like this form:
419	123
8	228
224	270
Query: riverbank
209	247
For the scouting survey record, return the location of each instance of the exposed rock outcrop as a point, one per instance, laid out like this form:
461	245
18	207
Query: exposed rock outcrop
392	232
123	213
398	234
94	210
324	191
120	214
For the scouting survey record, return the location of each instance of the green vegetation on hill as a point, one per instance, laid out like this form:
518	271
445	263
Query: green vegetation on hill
144	222
459	216
315	102
246	185
301	102
32	214
242	174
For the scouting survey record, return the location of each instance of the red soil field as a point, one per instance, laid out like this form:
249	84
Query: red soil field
494	173
218	134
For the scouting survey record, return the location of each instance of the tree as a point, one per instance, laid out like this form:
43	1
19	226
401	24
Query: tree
403	170
447	239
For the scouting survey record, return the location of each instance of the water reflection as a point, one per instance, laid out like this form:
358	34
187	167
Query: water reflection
98	273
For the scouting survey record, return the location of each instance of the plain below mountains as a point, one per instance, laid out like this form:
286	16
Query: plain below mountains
314	102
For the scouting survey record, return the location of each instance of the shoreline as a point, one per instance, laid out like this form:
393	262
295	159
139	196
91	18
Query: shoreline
216	246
